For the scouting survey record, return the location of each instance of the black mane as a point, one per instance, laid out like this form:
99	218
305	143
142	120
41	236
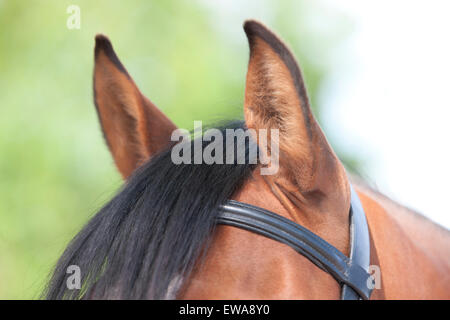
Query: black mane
152	232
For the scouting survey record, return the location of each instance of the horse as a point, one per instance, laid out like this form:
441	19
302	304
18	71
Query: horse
158	237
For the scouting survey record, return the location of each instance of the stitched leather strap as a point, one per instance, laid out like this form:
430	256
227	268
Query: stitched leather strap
351	272
359	244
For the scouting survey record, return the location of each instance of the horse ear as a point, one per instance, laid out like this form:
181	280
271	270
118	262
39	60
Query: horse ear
133	127
275	98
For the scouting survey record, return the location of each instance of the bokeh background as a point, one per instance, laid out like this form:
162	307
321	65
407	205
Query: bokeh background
377	75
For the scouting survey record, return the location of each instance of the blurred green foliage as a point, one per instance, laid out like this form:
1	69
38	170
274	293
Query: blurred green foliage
189	57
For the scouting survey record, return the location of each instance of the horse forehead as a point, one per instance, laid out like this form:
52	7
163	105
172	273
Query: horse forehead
257	192
263	192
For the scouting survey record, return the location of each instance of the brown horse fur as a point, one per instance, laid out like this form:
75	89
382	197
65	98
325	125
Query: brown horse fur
311	188
126	116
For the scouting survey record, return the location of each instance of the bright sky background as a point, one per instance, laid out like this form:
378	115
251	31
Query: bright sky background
392	101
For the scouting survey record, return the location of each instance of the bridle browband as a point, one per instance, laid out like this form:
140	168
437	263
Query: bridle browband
351	272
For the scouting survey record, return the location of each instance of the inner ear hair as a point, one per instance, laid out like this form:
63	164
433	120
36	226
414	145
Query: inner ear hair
276	98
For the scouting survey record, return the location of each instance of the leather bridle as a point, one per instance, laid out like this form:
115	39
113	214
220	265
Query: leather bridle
351	272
